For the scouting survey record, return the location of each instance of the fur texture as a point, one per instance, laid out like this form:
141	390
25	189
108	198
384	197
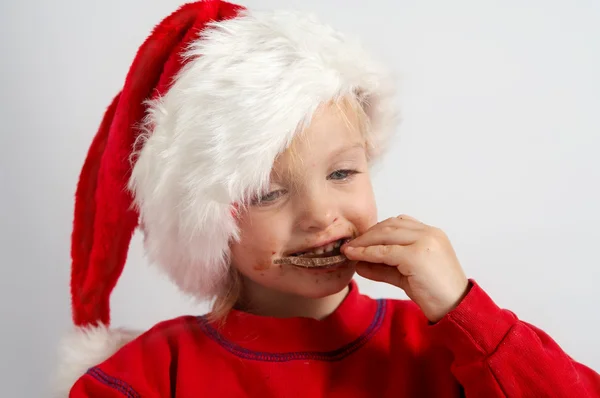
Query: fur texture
84	348
105	217
250	84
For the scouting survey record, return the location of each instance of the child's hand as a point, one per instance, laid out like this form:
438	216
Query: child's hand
417	258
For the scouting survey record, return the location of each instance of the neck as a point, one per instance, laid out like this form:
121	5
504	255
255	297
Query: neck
260	300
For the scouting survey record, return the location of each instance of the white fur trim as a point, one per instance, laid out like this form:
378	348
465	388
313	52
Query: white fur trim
250	85
85	348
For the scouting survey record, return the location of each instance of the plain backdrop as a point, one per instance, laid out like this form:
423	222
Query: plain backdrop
499	147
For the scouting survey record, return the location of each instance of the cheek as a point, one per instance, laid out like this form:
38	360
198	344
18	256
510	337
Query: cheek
362	210
263	258
254	255
259	243
262	236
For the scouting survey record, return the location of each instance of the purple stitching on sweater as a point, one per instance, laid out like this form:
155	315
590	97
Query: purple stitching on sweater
327	356
113	382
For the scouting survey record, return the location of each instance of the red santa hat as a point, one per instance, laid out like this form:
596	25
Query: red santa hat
214	94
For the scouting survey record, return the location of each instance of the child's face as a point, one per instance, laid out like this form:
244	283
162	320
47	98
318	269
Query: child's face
320	191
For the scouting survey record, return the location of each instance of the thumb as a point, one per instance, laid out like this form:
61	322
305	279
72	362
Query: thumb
381	273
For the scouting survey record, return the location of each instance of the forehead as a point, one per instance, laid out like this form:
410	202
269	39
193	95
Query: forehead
336	127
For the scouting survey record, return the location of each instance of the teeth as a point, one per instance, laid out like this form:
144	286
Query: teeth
324	249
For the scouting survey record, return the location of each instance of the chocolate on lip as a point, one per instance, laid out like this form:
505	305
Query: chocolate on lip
297	254
312	262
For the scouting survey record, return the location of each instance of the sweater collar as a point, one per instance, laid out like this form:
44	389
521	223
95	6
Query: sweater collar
353	321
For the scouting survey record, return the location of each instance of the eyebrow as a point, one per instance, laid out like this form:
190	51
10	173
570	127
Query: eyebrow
276	177
346	148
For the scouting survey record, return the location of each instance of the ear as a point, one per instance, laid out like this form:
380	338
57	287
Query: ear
235	210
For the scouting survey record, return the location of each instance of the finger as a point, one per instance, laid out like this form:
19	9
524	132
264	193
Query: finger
395	256
398	222
392	255
403	221
411	221
380	273
385	235
407	217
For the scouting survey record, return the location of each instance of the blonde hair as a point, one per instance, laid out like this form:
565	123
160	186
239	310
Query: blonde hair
353	112
349	107
227	299
354	115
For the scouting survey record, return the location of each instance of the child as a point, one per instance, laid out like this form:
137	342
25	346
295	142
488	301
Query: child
245	141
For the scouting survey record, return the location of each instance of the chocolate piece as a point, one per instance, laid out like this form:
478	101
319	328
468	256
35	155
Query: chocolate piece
309	262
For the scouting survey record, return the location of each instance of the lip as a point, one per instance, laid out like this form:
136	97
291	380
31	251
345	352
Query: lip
319	244
327	268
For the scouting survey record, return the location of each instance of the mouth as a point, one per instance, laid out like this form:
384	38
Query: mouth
324	256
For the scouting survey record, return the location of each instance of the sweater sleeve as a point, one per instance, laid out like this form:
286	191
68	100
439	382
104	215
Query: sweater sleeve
498	355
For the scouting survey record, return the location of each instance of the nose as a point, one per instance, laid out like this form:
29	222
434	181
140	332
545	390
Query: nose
317	211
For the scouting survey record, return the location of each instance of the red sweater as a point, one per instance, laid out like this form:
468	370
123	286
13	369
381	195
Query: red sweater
366	348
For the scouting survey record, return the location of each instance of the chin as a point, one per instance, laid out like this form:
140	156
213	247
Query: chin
321	283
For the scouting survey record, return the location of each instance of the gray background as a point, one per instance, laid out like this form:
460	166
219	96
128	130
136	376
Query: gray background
499	148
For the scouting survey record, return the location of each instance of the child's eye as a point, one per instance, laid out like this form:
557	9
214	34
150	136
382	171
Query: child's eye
341	174
268	198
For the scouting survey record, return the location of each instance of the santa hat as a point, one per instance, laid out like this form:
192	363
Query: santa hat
214	94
